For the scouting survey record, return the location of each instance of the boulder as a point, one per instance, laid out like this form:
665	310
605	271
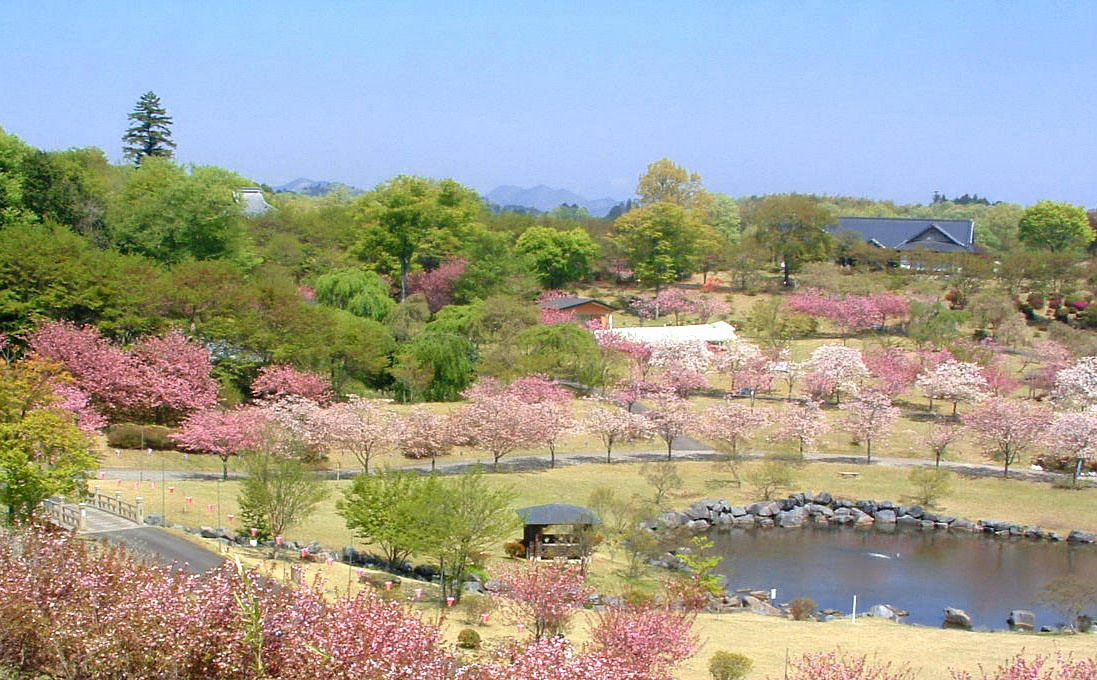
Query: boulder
824	498
155	519
916	511
947	519
207	532
885	516
1021	619
881	611
697	526
759	606
766	522
671	520
867	506
738	511
957	618
887	505
909	521
962	524
1077	536
791	518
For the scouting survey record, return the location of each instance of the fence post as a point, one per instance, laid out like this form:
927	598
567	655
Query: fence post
140	510
82	519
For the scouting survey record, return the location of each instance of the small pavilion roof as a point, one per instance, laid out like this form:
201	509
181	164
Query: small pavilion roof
563	303
558	513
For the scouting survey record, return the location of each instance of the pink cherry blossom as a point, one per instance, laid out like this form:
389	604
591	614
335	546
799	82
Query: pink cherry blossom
542	595
437	284
802	423
280	380
615	426
732	423
1007	428
871	418
954	381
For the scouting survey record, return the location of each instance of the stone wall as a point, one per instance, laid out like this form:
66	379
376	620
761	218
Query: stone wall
802	509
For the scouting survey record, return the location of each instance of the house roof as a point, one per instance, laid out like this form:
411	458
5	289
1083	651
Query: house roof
254	203
572	301
721	331
558	513
904	233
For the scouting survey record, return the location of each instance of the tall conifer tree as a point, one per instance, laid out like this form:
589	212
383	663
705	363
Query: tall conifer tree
150	131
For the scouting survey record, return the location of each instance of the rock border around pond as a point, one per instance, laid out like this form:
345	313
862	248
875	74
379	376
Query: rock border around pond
824	509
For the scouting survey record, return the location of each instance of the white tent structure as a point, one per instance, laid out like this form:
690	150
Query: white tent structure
718	332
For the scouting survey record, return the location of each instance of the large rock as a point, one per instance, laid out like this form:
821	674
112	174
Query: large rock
207	532
909	521
916	511
962	524
881	611
885	516
738	511
957	618
697	526
1021	619
1077	536
824	498
791	518
671	520
155	519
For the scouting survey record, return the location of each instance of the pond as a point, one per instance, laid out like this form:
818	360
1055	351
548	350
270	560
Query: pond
919	571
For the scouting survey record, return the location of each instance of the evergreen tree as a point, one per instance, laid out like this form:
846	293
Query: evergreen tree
150	133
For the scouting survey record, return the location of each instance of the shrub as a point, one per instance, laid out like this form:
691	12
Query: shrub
930	484
729	666
802	608
514	549
474	606
134	436
468	639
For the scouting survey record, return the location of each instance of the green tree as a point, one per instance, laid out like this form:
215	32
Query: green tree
660	242
559	257
564	351
387	510
14	153
278	491
666	182
794	227
436	366
360	292
412	217
149	133
171	216
1054	226
42	454
469	516
932	324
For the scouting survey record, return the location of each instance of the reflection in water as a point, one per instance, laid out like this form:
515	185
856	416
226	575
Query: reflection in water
920	571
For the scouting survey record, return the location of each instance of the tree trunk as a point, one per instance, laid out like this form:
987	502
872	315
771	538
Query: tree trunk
785	271
868	449
552	456
224	468
670	443
1077	471
405	266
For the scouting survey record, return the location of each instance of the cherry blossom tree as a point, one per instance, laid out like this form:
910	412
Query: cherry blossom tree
551	422
652	640
362	427
954	381
895	370
708	306
1053	357
536	389
1076	384
549	659
1039	668
757	376
1006	428
437	284
422	434
999	382
940	436
615	426
850	313
683	382
802	423
871	419
222	433
72	399
497	425
638	353
841	366
731	424
177	376
668	301
280	380
1073	434
669	417
543	595
839	666
734	357
689	355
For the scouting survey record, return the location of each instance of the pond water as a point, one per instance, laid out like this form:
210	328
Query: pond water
919	571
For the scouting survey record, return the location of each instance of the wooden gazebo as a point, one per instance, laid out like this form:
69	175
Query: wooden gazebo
557	530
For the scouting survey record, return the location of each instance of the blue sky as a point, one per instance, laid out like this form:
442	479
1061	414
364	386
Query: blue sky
890	100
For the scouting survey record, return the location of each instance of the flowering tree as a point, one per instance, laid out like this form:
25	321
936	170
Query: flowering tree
735	357
1053	357
803	423
850	313
498	425
222	433
1007	428
954	381
757	376
668	301
941	435
549	659
1073	434
669	417
650	640
422	433
1076	385
363	427
871	418
280	380
543	595
840	366
638	353
836	666
437	284
615	426
731	424
708	306
628	393
161	378
689	355
1039	668
72	399
999	382
536	389
551	422
895	370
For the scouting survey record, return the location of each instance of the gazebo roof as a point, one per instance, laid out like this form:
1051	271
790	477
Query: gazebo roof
558	513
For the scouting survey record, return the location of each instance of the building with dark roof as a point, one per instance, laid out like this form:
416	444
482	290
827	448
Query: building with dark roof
557	530
906	233
582	307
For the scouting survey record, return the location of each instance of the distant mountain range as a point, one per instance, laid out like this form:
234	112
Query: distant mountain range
309	187
545	199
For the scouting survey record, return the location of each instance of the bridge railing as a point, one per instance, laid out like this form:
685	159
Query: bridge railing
116	506
66	516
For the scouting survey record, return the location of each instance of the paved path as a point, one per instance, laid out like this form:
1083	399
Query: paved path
164	547
99	521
